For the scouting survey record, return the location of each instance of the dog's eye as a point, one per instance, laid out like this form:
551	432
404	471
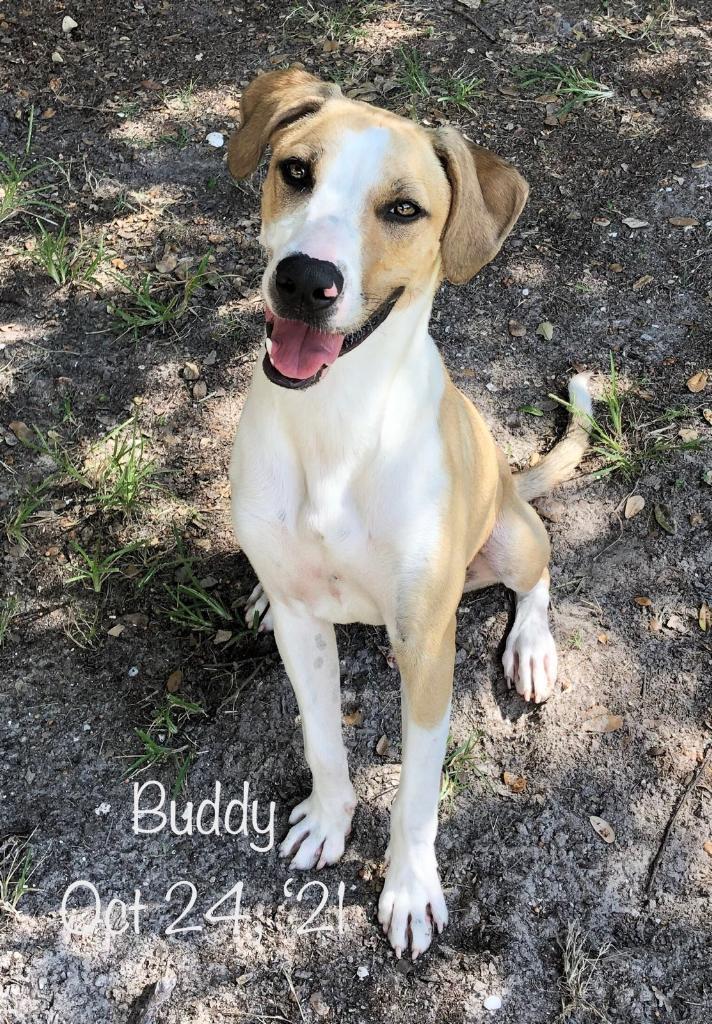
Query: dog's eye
403	210
296	173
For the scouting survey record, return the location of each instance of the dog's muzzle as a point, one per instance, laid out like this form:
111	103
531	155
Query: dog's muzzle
298	354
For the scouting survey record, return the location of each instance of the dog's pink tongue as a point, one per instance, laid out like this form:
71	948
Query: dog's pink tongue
299	351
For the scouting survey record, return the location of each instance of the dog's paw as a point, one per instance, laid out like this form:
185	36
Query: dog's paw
530	661
257	611
412	902
318	833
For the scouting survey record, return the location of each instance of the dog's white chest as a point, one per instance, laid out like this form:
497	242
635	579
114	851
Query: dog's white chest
310	541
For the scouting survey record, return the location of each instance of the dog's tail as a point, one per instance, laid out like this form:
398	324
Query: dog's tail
562	460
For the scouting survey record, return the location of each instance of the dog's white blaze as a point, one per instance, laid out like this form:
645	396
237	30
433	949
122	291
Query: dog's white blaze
328	226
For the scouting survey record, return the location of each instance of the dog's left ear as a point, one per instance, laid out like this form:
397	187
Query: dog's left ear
488	195
270	102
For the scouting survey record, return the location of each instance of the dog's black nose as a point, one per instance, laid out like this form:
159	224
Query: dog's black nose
305	285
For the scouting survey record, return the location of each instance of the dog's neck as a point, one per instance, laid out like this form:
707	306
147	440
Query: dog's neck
370	395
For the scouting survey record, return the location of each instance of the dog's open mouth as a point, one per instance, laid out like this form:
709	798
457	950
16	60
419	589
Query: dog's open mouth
298	354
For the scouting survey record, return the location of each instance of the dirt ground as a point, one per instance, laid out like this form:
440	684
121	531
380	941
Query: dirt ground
150	658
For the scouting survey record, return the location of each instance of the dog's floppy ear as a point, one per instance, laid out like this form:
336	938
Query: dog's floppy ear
270	102
488	195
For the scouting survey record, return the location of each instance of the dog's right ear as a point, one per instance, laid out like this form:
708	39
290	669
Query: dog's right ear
272	101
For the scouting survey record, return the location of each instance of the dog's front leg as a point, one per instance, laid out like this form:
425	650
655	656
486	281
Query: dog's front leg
320	823
412	900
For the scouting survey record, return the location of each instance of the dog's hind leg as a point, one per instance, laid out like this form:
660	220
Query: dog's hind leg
320	823
517	555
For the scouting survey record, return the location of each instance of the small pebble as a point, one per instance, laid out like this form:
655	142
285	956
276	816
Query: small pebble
216	139
492	1003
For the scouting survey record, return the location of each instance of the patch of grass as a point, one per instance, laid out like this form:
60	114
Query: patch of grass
579	964
193	608
159	738
576	88
94	569
413	76
8	611
66	259
16	869
125	471
576	640
652	30
625	442
17	195
51	444
149	307
457	90
182	97
21	519
461	766
344	23
83	628
179	137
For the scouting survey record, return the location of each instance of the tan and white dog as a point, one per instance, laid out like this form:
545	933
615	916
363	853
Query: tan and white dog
365	486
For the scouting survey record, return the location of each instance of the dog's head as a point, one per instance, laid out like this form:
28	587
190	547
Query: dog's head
361	209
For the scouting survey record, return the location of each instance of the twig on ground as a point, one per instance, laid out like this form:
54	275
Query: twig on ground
655	863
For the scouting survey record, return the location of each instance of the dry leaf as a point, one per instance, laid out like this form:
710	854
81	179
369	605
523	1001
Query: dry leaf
664	519
135	619
168	264
546	330
602	827
707	847
644	602
704	617
642	282
191	371
599	719
698	382
222	636
382	746
174	680
688	434
615	268
634	222
634	505
318	1005
517	783
602	638
707	413
353	717
684	222
676	623
200	390
116	630
21	431
516	329
602	222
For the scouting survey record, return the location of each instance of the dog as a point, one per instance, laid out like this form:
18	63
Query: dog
365	486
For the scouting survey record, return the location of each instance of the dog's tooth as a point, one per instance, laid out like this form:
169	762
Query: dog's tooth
268	343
